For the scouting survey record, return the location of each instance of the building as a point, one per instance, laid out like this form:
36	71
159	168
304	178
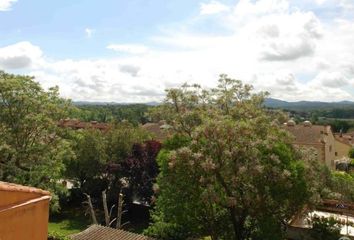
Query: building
318	137
77	124
161	131
24	212
97	232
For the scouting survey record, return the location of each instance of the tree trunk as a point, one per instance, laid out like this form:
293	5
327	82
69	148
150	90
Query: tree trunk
92	211
237	225
105	208
120	211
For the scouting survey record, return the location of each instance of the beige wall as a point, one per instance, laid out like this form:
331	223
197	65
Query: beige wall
23	215
342	149
329	148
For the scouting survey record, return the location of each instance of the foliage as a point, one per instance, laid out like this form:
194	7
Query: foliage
31	148
99	156
133	113
342	186
239	177
351	153
141	169
325	228
89	161
56	236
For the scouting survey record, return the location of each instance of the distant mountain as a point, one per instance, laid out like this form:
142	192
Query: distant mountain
306	105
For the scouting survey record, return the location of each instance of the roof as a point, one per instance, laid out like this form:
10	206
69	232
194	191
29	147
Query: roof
97	232
77	124
160	130
313	134
344	138
11	187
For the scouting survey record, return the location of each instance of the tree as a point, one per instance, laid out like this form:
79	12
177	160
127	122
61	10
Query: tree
141	169
31	148
90	159
239	177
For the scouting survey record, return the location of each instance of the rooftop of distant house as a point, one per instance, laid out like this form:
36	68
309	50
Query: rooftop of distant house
97	232
346	138
160	130
77	124
307	133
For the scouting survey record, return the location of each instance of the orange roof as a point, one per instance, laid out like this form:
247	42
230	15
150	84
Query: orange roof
77	124
11	187
344	138
313	134
160	130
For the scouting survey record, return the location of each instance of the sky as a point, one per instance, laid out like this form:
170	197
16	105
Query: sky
131	51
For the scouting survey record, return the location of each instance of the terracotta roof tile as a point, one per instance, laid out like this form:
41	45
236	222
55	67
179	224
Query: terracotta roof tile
313	134
96	232
76	124
344	138
158	129
11	187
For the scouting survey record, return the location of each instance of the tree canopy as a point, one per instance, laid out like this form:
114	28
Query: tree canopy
231	171
31	148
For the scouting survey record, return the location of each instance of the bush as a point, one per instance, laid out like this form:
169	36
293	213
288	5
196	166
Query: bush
56	236
325	229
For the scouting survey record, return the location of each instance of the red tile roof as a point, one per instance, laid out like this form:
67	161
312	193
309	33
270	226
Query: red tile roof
160	130
11	187
77	124
313	134
96	232
345	138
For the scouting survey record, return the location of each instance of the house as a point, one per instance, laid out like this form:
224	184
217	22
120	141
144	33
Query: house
97	232
161	131
77	124
318	137
24	212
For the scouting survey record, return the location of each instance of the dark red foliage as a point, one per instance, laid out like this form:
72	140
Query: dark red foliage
141	169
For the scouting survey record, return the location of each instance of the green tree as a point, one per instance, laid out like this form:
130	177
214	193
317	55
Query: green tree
90	158
238	178
31	149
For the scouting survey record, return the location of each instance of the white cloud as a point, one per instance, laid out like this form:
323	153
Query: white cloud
213	7
5	5
89	32
128	48
20	55
274	45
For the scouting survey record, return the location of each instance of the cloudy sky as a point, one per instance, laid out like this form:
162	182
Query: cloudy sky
131	50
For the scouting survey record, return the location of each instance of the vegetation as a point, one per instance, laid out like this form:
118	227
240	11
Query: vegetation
238	176
133	113
229	171
325	229
32	150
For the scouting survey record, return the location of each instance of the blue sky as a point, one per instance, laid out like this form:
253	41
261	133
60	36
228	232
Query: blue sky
130	51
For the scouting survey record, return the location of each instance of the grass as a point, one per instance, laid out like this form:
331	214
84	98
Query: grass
68	222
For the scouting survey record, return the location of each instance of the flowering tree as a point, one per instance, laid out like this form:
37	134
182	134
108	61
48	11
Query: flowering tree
236	177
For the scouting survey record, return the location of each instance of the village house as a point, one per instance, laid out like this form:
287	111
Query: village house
318	137
160	131
76	124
